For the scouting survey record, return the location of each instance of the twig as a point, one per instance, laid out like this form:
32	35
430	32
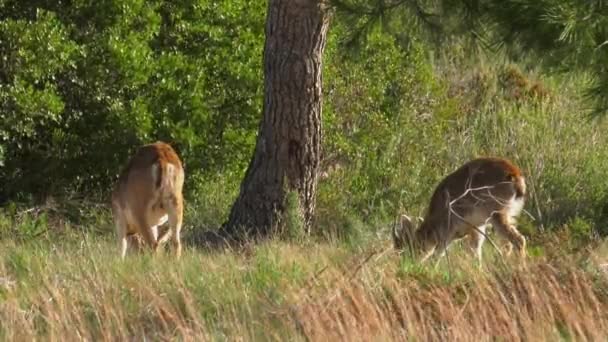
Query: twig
360	265
383	253
469	190
478	230
21	213
472	191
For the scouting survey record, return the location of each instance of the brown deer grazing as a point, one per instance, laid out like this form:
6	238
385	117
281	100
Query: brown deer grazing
484	191
148	194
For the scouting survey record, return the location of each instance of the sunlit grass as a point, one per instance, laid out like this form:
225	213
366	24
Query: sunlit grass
283	291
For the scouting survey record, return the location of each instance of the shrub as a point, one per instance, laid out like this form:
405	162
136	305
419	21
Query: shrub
84	84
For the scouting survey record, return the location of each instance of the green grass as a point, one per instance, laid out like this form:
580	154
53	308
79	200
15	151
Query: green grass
277	290
204	294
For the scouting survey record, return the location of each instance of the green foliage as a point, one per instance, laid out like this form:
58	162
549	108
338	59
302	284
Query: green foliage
82	85
382	101
561	35
399	119
581	231
564	35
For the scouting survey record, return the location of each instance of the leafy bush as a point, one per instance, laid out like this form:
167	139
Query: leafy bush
83	84
399	121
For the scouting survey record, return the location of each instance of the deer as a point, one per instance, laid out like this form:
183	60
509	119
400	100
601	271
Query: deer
482	192
147	195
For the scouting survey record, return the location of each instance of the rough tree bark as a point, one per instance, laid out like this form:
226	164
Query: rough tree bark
288	147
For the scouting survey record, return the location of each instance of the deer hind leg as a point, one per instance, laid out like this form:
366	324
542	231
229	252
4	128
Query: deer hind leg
134	242
154	231
121	233
146	231
175	210
165	235
502	225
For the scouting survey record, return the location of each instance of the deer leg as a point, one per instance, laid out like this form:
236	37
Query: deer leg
165	236
503	226
147	233
123	244
175	210
154	230
442	245
477	237
441	250
121	231
135	242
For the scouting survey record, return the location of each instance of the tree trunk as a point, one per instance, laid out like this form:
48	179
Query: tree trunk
288	147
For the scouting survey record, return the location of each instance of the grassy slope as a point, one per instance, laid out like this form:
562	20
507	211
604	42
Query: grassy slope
278	290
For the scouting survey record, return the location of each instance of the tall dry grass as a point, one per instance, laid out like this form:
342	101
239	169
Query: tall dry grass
542	302
280	291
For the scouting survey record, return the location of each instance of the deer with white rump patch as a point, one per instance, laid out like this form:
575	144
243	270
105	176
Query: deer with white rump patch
482	192
147	195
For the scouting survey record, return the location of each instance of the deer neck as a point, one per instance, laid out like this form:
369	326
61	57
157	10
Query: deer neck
426	235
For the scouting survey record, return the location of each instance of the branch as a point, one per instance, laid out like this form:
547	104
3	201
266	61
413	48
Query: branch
471	191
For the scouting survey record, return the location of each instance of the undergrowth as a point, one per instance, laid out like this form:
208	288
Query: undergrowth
77	290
